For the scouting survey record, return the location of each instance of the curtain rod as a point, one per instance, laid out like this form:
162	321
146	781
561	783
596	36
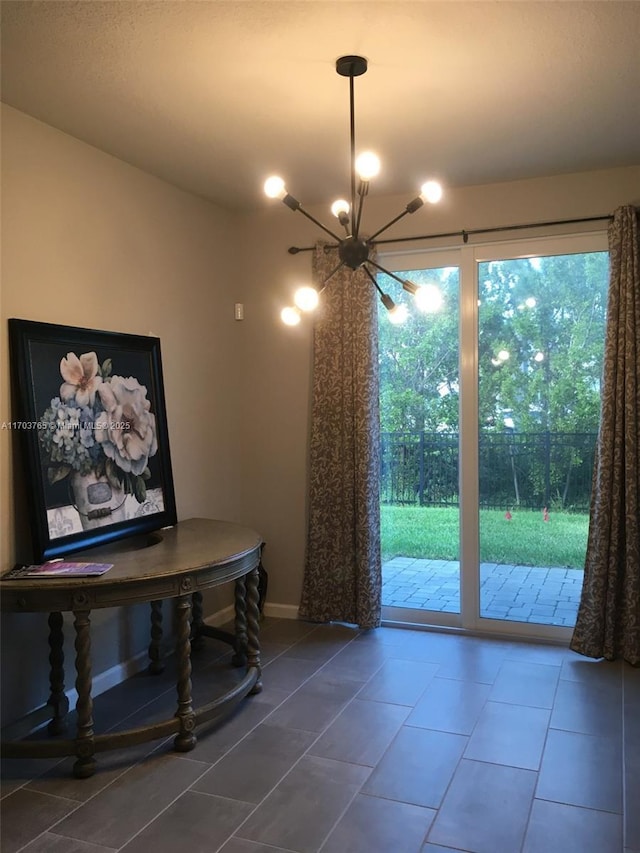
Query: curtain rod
293	250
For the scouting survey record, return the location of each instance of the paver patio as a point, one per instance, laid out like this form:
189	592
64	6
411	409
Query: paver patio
548	595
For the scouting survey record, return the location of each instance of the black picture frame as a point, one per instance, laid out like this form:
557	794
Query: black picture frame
90	410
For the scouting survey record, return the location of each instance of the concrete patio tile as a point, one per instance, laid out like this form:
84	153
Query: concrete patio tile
539	594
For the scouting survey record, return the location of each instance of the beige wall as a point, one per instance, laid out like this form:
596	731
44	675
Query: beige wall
90	241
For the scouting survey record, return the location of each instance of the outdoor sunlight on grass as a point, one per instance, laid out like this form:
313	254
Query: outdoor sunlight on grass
526	539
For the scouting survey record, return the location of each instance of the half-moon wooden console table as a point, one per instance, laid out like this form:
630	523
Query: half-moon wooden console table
179	563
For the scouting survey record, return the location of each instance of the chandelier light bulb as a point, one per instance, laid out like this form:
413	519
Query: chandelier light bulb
367	165
539	356
340	206
530	302
431	191
503	355
306	299
274	187
428	298
290	316
398	315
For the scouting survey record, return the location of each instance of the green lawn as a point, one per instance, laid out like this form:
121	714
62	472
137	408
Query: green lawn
526	539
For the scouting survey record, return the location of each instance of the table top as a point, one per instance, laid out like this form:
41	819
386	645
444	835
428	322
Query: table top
195	554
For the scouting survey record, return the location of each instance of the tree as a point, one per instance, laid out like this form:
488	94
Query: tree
419	387
548	315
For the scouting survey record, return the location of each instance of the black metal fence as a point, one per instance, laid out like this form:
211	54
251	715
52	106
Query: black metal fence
527	470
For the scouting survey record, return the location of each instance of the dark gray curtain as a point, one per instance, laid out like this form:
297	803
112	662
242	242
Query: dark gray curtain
608	623
342	578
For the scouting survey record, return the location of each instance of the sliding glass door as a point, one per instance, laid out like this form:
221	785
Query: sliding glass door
541	338
489	412
420	427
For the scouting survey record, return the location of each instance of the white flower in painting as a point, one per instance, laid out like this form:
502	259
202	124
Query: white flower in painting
126	429
81	378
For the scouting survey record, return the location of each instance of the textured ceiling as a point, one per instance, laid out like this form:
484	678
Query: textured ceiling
214	96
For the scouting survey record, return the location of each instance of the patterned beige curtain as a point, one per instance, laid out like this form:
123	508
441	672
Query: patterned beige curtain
342	579
608	623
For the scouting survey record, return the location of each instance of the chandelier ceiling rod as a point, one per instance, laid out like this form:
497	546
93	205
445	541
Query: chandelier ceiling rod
353	251
352	69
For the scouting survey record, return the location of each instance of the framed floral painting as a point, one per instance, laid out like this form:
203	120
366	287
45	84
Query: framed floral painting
91	415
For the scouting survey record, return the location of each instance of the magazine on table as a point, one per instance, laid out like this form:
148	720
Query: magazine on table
59	569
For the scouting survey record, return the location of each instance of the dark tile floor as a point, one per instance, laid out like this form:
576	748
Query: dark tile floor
388	741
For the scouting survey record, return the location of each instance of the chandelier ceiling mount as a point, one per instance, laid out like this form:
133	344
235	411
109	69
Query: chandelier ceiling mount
351	66
354	251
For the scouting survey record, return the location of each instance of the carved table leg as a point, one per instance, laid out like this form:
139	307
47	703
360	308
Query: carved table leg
85	764
156	664
185	739
57	698
197	638
253	627
240	630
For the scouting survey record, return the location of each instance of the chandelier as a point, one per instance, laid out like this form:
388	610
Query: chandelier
355	251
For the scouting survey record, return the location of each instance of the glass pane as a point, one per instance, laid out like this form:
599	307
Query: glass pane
419	395
541	339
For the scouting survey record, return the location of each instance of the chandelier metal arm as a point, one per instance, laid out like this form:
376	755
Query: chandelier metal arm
318	223
389	224
373	278
386	300
409	286
331	275
363	190
293	250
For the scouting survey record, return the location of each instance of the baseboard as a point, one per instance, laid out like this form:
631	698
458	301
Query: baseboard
113	676
221	617
99	684
281	611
